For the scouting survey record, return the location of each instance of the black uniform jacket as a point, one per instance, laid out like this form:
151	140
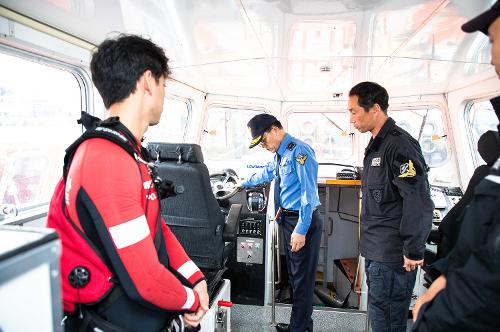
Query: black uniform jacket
471	299
396	214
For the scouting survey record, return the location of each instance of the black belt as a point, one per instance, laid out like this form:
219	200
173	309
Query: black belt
290	213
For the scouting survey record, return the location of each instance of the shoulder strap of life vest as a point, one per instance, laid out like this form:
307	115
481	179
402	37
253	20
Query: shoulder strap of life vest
108	129
113	130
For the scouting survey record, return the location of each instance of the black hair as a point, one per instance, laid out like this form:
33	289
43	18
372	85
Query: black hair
118	64
369	94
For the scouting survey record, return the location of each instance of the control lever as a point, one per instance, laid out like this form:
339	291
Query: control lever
221	324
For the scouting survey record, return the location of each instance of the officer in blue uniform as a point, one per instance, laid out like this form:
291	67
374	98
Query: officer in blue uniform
396	214
296	171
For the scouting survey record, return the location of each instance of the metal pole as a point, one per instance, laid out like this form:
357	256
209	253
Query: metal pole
273	252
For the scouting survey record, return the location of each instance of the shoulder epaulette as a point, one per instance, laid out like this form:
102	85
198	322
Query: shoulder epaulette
291	146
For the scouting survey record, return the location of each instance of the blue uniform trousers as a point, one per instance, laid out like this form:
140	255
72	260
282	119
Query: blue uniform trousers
302	270
389	295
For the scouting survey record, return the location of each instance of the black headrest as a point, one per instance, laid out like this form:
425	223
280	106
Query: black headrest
190	153
488	146
495	102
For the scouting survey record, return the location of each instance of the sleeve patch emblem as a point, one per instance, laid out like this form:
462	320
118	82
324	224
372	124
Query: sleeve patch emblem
301	158
407	170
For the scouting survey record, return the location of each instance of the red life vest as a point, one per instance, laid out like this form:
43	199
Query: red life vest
83	266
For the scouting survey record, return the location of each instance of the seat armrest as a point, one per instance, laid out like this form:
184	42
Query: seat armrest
232	223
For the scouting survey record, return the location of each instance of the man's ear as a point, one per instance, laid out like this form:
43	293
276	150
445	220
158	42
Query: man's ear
146	80
376	108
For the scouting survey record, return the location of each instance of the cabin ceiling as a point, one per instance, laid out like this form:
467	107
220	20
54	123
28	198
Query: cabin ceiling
289	50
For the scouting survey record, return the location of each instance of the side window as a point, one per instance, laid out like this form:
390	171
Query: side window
39	105
327	133
226	139
479	117
425	125
173	122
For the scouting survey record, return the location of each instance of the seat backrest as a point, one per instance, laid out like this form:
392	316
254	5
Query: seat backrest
194	216
488	146
449	229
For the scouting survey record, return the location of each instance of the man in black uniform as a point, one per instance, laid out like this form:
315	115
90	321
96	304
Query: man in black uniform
466	297
396	215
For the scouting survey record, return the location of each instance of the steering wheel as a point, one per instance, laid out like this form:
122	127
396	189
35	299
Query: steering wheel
224	184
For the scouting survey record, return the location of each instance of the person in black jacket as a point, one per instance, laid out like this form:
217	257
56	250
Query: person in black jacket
466	297
489	149
396	214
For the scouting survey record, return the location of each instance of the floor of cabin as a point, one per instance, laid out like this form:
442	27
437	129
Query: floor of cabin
246	318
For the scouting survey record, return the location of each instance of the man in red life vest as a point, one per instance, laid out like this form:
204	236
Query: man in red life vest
122	268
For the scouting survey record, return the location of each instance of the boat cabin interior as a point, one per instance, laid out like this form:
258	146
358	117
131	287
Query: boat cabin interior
231	60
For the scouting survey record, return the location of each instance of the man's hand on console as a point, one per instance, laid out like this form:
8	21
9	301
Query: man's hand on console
194	319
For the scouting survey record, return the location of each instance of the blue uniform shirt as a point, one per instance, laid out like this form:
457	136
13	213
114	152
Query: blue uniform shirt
298	174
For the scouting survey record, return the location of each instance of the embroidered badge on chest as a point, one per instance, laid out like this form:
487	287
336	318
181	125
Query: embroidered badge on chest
376	162
301	158
377	194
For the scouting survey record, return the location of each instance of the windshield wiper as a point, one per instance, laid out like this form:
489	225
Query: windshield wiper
334	124
424	120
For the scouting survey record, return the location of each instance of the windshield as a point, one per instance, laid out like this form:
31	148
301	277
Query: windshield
226	139
427	126
328	133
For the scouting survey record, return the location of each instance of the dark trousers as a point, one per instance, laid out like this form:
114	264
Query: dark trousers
389	295
302	270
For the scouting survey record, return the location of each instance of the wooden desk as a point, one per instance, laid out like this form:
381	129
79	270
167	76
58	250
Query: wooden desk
348	183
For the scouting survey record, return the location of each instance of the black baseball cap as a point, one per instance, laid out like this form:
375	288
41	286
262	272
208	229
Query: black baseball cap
258	126
483	21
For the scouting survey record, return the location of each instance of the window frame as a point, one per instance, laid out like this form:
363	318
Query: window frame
40	210
476	158
189	107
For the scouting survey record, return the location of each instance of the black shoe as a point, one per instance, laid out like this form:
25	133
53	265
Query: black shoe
282	327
